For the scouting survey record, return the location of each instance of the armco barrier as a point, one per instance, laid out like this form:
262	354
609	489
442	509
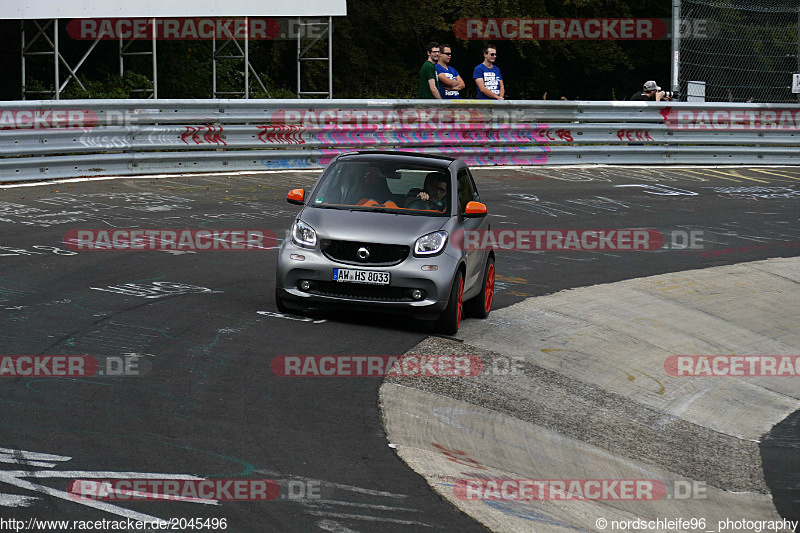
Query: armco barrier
68	138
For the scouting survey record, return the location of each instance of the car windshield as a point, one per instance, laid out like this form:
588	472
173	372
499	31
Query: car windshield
395	186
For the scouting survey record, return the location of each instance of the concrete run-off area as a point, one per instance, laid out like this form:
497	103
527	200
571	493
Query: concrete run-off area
594	400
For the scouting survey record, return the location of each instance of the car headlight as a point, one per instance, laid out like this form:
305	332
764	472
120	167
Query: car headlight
430	244
303	234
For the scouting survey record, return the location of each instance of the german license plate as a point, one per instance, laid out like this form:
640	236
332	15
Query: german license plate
361	276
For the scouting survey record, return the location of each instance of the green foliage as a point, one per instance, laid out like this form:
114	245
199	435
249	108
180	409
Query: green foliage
379	47
184	69
273	90
110	86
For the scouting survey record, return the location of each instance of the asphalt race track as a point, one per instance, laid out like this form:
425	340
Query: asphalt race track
203	327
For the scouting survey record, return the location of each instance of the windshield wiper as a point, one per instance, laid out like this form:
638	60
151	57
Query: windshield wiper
372	209
328	206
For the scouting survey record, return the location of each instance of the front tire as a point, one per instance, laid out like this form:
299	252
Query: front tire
280	305
450	320
481	305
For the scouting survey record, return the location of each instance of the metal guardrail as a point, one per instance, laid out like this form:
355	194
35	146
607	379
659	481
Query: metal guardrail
47	139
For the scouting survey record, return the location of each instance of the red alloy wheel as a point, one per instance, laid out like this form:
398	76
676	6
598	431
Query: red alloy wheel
489	295
460	302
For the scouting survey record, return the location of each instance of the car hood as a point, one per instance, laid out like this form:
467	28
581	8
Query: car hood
369	226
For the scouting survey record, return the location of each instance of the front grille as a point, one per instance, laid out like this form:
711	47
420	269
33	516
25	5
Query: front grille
379	254
361	292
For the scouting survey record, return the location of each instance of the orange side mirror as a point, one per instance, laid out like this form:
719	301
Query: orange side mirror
296	196
475	209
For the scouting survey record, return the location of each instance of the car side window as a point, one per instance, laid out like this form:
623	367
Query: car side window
466	190
476	196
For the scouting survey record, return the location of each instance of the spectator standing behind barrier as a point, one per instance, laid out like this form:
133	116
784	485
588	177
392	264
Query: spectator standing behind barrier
651	92
488	78
449	80
428	85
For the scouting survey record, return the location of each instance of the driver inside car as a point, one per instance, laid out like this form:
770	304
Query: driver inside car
432	197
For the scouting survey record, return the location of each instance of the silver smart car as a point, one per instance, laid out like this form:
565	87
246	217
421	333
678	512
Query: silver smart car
382	231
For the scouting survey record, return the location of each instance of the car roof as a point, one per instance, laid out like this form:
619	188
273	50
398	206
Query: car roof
376	155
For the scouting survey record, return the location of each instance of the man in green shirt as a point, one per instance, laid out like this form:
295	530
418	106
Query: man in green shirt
428	82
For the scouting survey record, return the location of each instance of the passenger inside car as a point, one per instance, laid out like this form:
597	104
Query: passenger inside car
370	187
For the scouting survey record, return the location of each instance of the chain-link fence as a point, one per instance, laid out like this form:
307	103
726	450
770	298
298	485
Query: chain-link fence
744	50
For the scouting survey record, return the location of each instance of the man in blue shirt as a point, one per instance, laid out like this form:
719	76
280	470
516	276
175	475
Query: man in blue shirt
488	78
449	80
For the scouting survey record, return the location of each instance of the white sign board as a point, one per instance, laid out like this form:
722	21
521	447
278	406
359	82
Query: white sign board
696	91
796	83
60	9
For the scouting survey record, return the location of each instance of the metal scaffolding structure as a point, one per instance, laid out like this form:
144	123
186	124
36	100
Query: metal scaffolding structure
51	48
42	37
305	47
46	42
243	48
124	51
